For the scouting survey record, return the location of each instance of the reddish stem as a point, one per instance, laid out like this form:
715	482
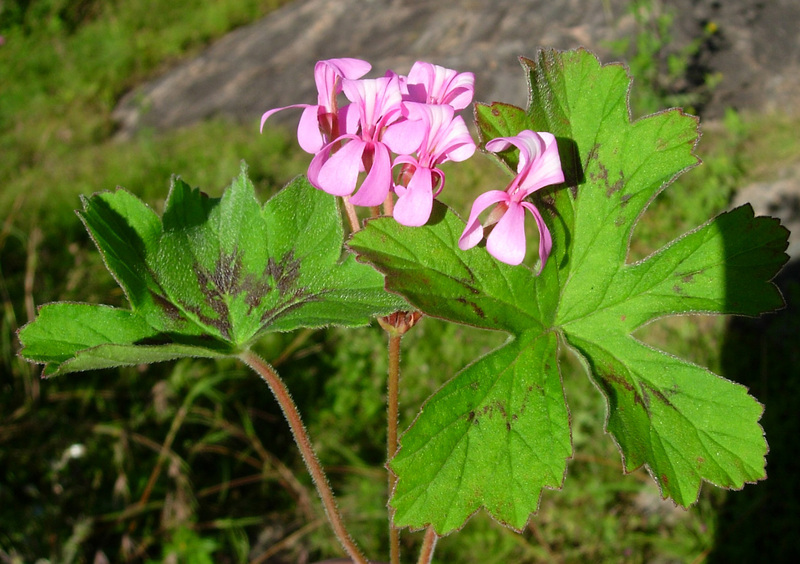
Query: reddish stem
292	415
391	433
428	546
350	209
395	325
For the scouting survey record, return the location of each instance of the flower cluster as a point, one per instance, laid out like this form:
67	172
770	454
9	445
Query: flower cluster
412	117
410	123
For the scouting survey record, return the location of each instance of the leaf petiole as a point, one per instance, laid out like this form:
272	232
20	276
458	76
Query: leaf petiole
281	393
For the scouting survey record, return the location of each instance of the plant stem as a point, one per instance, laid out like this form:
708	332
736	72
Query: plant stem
396	325
350	209
388	205
428	546
292	415
391	432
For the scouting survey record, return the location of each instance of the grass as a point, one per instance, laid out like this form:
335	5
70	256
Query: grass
194	457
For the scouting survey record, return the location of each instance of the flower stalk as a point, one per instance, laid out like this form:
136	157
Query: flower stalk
428	546
395	325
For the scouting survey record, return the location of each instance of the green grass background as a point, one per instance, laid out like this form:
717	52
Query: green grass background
192	460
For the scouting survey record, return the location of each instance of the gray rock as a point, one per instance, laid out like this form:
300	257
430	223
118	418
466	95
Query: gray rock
778	198
270	63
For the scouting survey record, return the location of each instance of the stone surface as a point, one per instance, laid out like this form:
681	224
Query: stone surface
778	198
754	48
269	63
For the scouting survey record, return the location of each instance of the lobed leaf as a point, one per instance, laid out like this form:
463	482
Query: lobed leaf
209	277
682	422
493	436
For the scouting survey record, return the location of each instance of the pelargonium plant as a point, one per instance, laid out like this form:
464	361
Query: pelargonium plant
211	276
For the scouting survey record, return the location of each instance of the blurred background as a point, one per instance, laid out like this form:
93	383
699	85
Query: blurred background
192	461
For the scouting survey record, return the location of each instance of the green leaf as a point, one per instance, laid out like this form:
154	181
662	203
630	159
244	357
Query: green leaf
493	436
685	424
427	268
69	337
209	278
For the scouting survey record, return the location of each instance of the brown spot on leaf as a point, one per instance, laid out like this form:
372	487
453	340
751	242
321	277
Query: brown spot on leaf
573	189
688	277
601	175
475	307
293	302
614	188
658	394
469	286
284	272
170	310
619	380
255	289
592	156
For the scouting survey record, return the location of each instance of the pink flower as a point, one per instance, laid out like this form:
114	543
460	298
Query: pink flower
379	128
432	84
444	138
539	166
319	123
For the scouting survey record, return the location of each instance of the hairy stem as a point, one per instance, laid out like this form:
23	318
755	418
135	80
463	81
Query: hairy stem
388	205
292	415
428	546
350	209
396	325
391	432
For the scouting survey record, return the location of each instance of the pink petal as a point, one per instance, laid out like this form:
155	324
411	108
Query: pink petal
462	90
376	185
545	240
473	232
546	169
268	113
433	84
328	75
413	207
539	161
529	143
378	99
338	173
308	134
447	136
404	137
506	242
348	115
440	186
458	145
437	116
498	144
350	68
